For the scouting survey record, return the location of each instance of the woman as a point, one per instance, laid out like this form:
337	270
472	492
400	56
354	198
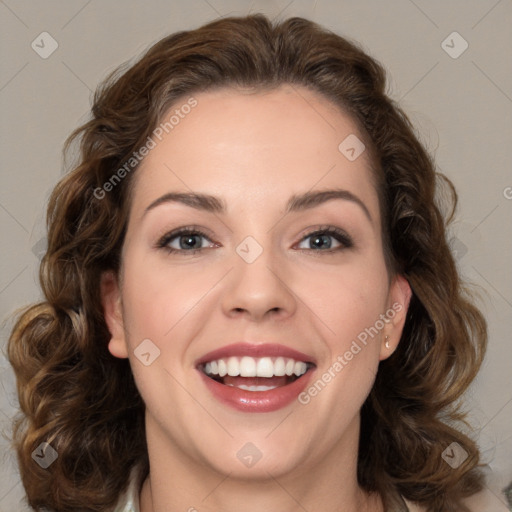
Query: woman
250	301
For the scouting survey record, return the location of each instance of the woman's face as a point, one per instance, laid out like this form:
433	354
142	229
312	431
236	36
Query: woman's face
274	269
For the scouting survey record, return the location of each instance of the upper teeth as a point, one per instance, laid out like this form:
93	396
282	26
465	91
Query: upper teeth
255	367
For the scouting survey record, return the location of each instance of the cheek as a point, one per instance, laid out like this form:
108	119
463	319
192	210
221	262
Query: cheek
347	300
156	299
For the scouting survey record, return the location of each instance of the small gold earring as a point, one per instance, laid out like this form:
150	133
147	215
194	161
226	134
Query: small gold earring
387	341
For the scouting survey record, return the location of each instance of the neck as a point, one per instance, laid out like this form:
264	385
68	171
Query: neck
328	484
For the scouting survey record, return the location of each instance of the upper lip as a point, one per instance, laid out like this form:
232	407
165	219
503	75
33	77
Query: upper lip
255	350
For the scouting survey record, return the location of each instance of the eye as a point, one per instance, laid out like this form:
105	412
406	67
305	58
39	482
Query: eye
321	240
184	240
189	240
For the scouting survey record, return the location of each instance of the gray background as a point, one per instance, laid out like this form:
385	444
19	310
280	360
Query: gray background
461	107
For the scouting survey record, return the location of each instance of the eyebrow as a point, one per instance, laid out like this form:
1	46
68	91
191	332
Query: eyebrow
296	203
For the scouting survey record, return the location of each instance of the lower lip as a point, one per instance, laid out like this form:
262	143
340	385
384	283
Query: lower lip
257	401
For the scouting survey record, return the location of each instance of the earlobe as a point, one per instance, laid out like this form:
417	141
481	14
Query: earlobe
112	311
399	298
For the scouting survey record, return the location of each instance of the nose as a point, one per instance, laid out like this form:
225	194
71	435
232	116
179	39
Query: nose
259	290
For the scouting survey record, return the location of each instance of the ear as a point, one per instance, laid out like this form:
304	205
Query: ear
398	303
112	310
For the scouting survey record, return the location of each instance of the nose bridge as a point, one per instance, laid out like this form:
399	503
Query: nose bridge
258	281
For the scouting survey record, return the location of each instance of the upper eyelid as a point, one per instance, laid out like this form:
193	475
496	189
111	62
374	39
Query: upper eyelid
172	233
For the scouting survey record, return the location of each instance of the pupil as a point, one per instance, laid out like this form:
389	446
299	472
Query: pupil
318	241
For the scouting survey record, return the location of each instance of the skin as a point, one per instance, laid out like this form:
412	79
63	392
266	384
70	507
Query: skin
253	150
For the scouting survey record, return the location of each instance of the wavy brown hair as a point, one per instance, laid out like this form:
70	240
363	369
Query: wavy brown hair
84	402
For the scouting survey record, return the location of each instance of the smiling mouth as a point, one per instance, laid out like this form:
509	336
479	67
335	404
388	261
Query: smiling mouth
255	373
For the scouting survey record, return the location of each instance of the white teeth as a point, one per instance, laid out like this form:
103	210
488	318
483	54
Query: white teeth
233	367
253	388
299	369
255	367
279	367
265	368
223	368
290	367
247	367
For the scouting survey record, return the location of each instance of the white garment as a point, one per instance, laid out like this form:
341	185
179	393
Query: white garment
129	501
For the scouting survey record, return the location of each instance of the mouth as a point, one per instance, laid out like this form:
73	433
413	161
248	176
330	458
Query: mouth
256	378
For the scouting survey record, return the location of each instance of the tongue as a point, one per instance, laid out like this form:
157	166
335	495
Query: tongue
256	381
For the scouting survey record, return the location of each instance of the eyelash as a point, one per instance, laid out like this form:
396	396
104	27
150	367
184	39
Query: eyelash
343	238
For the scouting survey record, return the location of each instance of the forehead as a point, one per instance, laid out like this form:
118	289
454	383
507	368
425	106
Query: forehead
264	146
